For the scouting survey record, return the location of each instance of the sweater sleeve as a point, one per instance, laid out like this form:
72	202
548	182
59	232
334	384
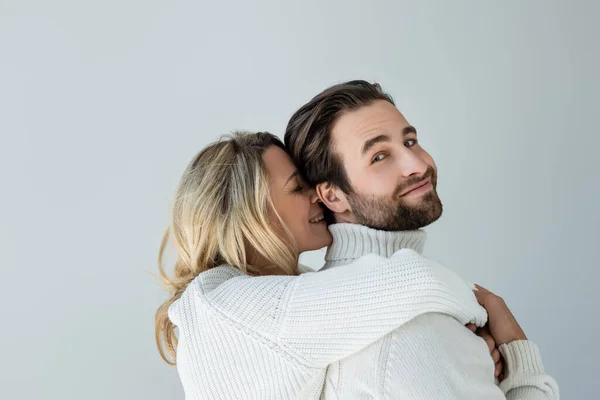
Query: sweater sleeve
322	317
525	378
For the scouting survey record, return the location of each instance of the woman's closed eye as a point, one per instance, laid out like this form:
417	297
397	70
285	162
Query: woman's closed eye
298	189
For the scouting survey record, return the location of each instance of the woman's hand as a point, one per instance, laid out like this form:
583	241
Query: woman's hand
502	325
484	333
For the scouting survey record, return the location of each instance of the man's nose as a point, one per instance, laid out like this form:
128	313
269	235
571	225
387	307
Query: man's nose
411	164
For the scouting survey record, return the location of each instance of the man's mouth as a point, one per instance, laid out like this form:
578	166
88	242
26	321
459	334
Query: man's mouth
420	187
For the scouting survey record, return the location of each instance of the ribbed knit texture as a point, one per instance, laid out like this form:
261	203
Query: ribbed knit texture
273	337
525	372
352	241
380	327
433	356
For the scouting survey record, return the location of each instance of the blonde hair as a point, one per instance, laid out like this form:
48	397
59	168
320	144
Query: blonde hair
221	211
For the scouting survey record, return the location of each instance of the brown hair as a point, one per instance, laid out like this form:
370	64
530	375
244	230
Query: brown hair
308	133
219	215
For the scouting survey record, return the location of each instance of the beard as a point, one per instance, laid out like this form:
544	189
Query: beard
395	213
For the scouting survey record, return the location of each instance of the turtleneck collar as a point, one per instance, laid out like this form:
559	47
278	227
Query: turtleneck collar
352	241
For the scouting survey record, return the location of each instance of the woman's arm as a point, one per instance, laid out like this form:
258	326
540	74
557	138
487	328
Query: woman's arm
524	372
325	316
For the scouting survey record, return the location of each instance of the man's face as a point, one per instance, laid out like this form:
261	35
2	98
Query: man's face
393	178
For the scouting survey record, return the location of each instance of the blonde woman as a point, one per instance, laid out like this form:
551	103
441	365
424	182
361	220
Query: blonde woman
249	326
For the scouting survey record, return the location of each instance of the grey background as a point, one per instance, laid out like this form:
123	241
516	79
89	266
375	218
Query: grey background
102	104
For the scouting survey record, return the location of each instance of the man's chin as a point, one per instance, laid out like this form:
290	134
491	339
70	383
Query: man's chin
413	218
407	215
431	220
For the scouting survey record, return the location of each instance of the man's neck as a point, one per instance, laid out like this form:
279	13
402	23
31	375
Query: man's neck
352	241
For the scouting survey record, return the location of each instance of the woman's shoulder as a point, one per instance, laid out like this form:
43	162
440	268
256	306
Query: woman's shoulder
200	287
211	279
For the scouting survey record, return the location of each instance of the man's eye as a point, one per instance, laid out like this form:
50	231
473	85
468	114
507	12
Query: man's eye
410	142
379	157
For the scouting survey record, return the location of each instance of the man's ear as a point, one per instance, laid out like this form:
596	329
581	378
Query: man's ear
332	197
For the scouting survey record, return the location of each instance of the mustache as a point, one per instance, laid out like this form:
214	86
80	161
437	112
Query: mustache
430	173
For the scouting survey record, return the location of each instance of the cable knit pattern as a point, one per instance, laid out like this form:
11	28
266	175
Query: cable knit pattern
432	356
273	337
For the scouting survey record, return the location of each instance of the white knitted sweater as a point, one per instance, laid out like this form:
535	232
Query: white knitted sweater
274	337
432	356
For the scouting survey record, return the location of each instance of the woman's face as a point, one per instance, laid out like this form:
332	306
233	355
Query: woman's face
295	201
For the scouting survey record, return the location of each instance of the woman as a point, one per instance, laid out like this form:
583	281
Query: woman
249	326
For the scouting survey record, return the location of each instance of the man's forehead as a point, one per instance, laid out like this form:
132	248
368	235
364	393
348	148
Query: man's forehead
364	122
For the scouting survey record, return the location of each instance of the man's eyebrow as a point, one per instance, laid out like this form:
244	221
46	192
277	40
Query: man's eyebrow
367	145
292	176
408	130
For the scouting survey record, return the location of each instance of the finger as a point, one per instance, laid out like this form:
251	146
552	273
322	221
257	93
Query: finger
495	356
481	289
480	296
472	327
489	340
501	376
490	343
498	370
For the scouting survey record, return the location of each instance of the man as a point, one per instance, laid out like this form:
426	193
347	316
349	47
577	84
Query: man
379	186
